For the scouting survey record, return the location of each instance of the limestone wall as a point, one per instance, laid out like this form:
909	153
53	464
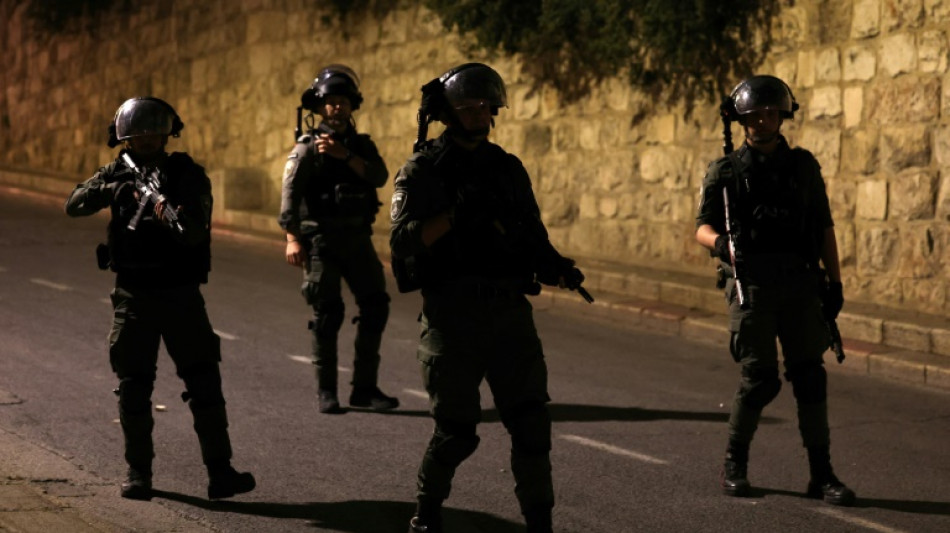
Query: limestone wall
871	77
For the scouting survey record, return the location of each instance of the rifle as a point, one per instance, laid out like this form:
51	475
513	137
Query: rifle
148	187
733	252
323	127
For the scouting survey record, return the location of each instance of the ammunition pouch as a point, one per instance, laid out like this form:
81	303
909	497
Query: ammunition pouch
409	273
354	199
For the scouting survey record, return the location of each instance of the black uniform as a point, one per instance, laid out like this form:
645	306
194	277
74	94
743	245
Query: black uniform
157	298
331	210
779	211
476	322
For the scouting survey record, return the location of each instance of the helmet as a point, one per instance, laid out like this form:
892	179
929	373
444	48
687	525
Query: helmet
763	92
144	116
474	80
333	79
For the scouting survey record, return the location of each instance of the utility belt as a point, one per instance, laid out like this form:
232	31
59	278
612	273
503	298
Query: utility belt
768	269
481	289
348	199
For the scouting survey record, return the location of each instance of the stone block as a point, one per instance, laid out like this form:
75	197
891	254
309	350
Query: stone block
905	147
861	328
828	65
912	196
899	14
938	376
932	52
806	69
866	21
871	202
904	99
893	366
907	336
942	210
825	144
853	109
825	103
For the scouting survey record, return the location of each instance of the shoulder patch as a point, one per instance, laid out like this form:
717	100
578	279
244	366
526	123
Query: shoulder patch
398	204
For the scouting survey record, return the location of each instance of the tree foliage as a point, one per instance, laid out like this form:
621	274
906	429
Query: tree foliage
675	50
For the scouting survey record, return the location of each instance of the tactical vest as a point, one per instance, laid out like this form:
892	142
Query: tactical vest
151	256
771	204
334	189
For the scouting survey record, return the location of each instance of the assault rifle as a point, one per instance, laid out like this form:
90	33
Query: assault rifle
734	252
323	127
149	194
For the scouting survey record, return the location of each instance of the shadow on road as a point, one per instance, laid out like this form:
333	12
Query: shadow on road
562	412
349	516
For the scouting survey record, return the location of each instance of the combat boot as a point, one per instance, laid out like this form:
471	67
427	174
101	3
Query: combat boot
137	485
734	480
224	481
373	398
428	517
328	402
824	485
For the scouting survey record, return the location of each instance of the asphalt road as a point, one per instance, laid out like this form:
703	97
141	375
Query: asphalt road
639	417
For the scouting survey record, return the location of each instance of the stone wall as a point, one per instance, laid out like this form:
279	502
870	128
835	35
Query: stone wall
616	175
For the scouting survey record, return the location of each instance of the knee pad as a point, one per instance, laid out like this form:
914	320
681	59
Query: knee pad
809	382
135	394
374	311
452	442
530	427
203	386
328	318
759	386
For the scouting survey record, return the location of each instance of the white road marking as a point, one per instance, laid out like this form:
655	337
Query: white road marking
226	336
309	361
603	446
51	284
417	393
854	520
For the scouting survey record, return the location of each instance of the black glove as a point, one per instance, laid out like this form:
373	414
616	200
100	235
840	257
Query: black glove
721	248
552	273
832	300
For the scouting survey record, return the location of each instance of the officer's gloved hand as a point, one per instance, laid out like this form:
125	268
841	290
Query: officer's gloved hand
573	277
721	249
833	300
560	273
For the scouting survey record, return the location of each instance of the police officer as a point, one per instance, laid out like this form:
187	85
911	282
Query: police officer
328	205
159	248
780	217
467	231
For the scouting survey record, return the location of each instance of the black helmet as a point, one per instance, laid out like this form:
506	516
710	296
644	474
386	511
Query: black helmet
143	116
475	80
333	79
763	92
